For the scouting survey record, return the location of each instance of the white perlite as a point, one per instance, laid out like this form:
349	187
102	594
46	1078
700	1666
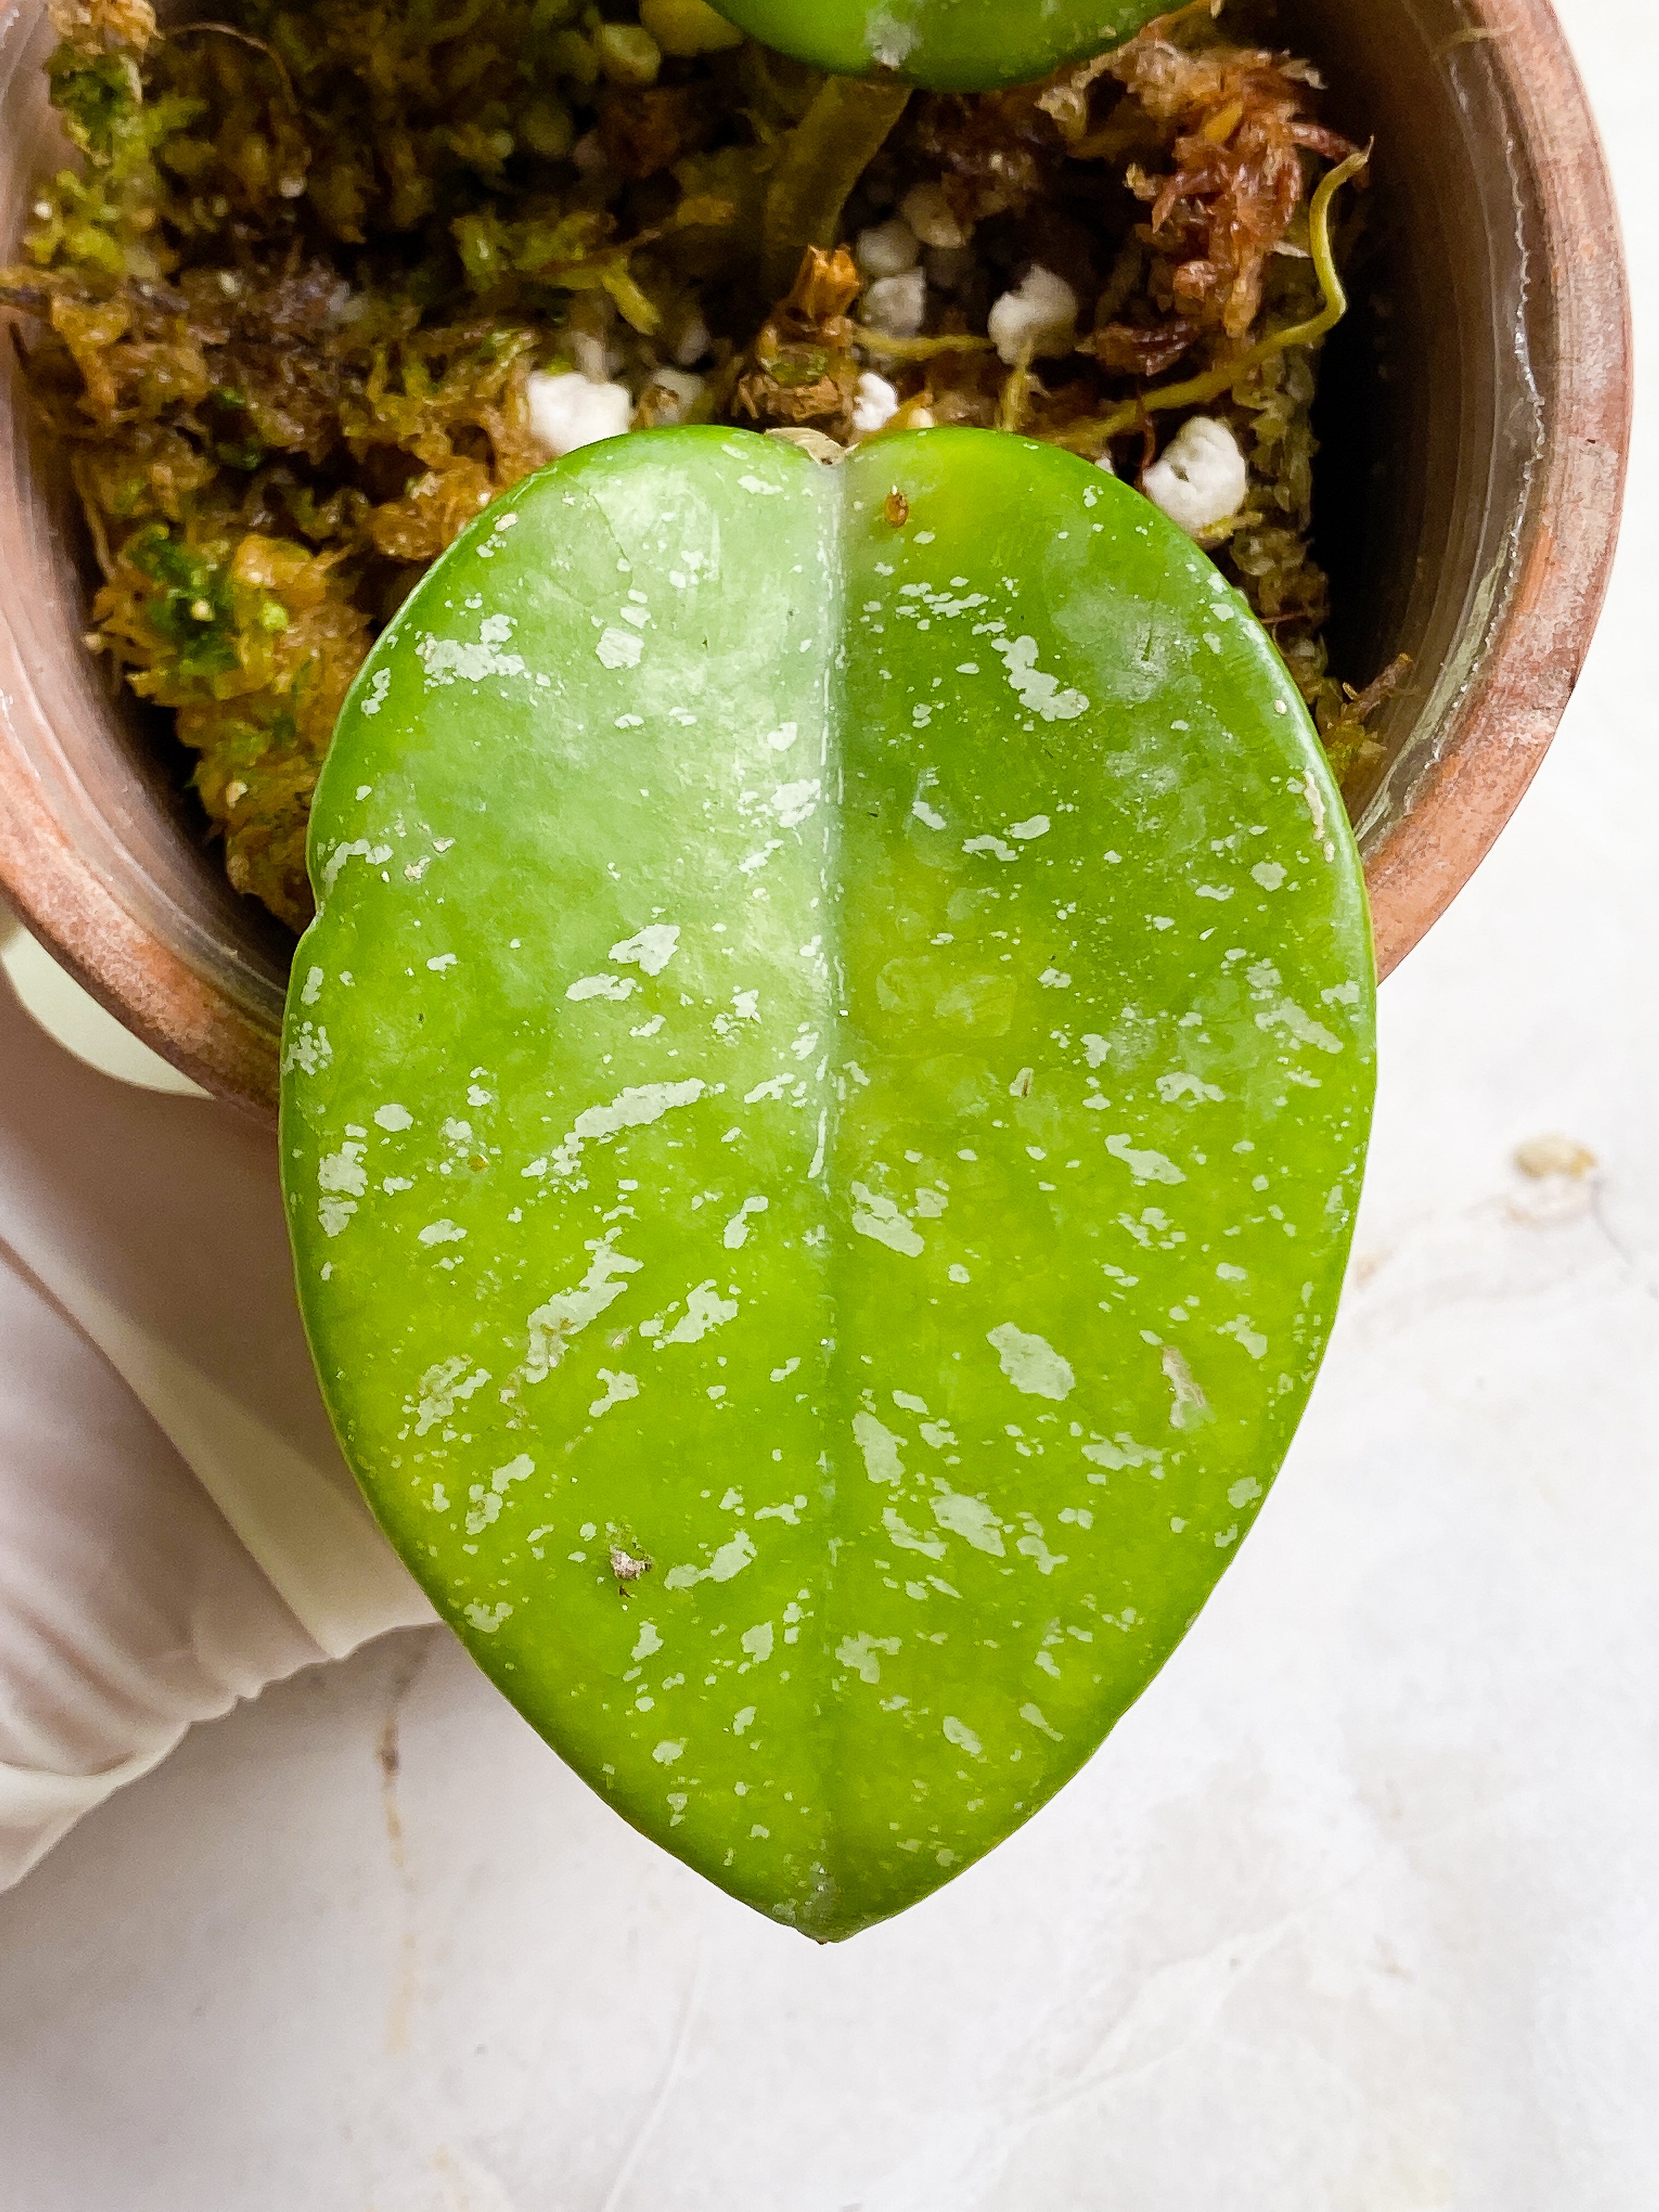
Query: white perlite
927	212
684	391
1037	320
887	249
875	406
1200	478
568	411
897	305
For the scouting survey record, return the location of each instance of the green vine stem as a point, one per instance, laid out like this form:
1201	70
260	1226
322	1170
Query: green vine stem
1093	438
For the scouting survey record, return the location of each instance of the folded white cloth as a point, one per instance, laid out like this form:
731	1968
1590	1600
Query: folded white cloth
176	1528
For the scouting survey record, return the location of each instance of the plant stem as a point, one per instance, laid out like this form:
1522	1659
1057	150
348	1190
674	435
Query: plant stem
837	139
1093	438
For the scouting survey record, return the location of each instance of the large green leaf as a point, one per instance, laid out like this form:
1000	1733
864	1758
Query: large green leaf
834	1059
948	45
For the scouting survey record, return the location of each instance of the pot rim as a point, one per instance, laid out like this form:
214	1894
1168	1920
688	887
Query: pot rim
1493	743
1498	734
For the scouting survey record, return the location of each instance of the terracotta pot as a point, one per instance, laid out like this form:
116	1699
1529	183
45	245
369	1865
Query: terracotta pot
1474	412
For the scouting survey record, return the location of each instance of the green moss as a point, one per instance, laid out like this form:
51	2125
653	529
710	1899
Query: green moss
191	609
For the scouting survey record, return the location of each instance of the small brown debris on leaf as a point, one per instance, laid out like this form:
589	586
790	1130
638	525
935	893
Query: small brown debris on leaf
627	1569
897	508
825	451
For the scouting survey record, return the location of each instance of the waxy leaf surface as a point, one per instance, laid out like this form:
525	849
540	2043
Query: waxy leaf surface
835	1059
947	46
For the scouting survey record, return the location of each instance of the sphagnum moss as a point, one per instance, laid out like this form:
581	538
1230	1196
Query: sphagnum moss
284	311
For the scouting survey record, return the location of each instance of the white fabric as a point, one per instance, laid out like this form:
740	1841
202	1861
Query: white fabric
176	1528
75	1018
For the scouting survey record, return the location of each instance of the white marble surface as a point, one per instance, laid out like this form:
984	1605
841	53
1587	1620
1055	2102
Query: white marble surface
1358	1910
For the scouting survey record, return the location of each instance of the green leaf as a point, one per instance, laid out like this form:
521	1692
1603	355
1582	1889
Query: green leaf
948	45
824	1103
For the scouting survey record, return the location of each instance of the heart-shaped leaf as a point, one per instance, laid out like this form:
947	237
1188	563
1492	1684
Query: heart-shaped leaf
824	1107
948	45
